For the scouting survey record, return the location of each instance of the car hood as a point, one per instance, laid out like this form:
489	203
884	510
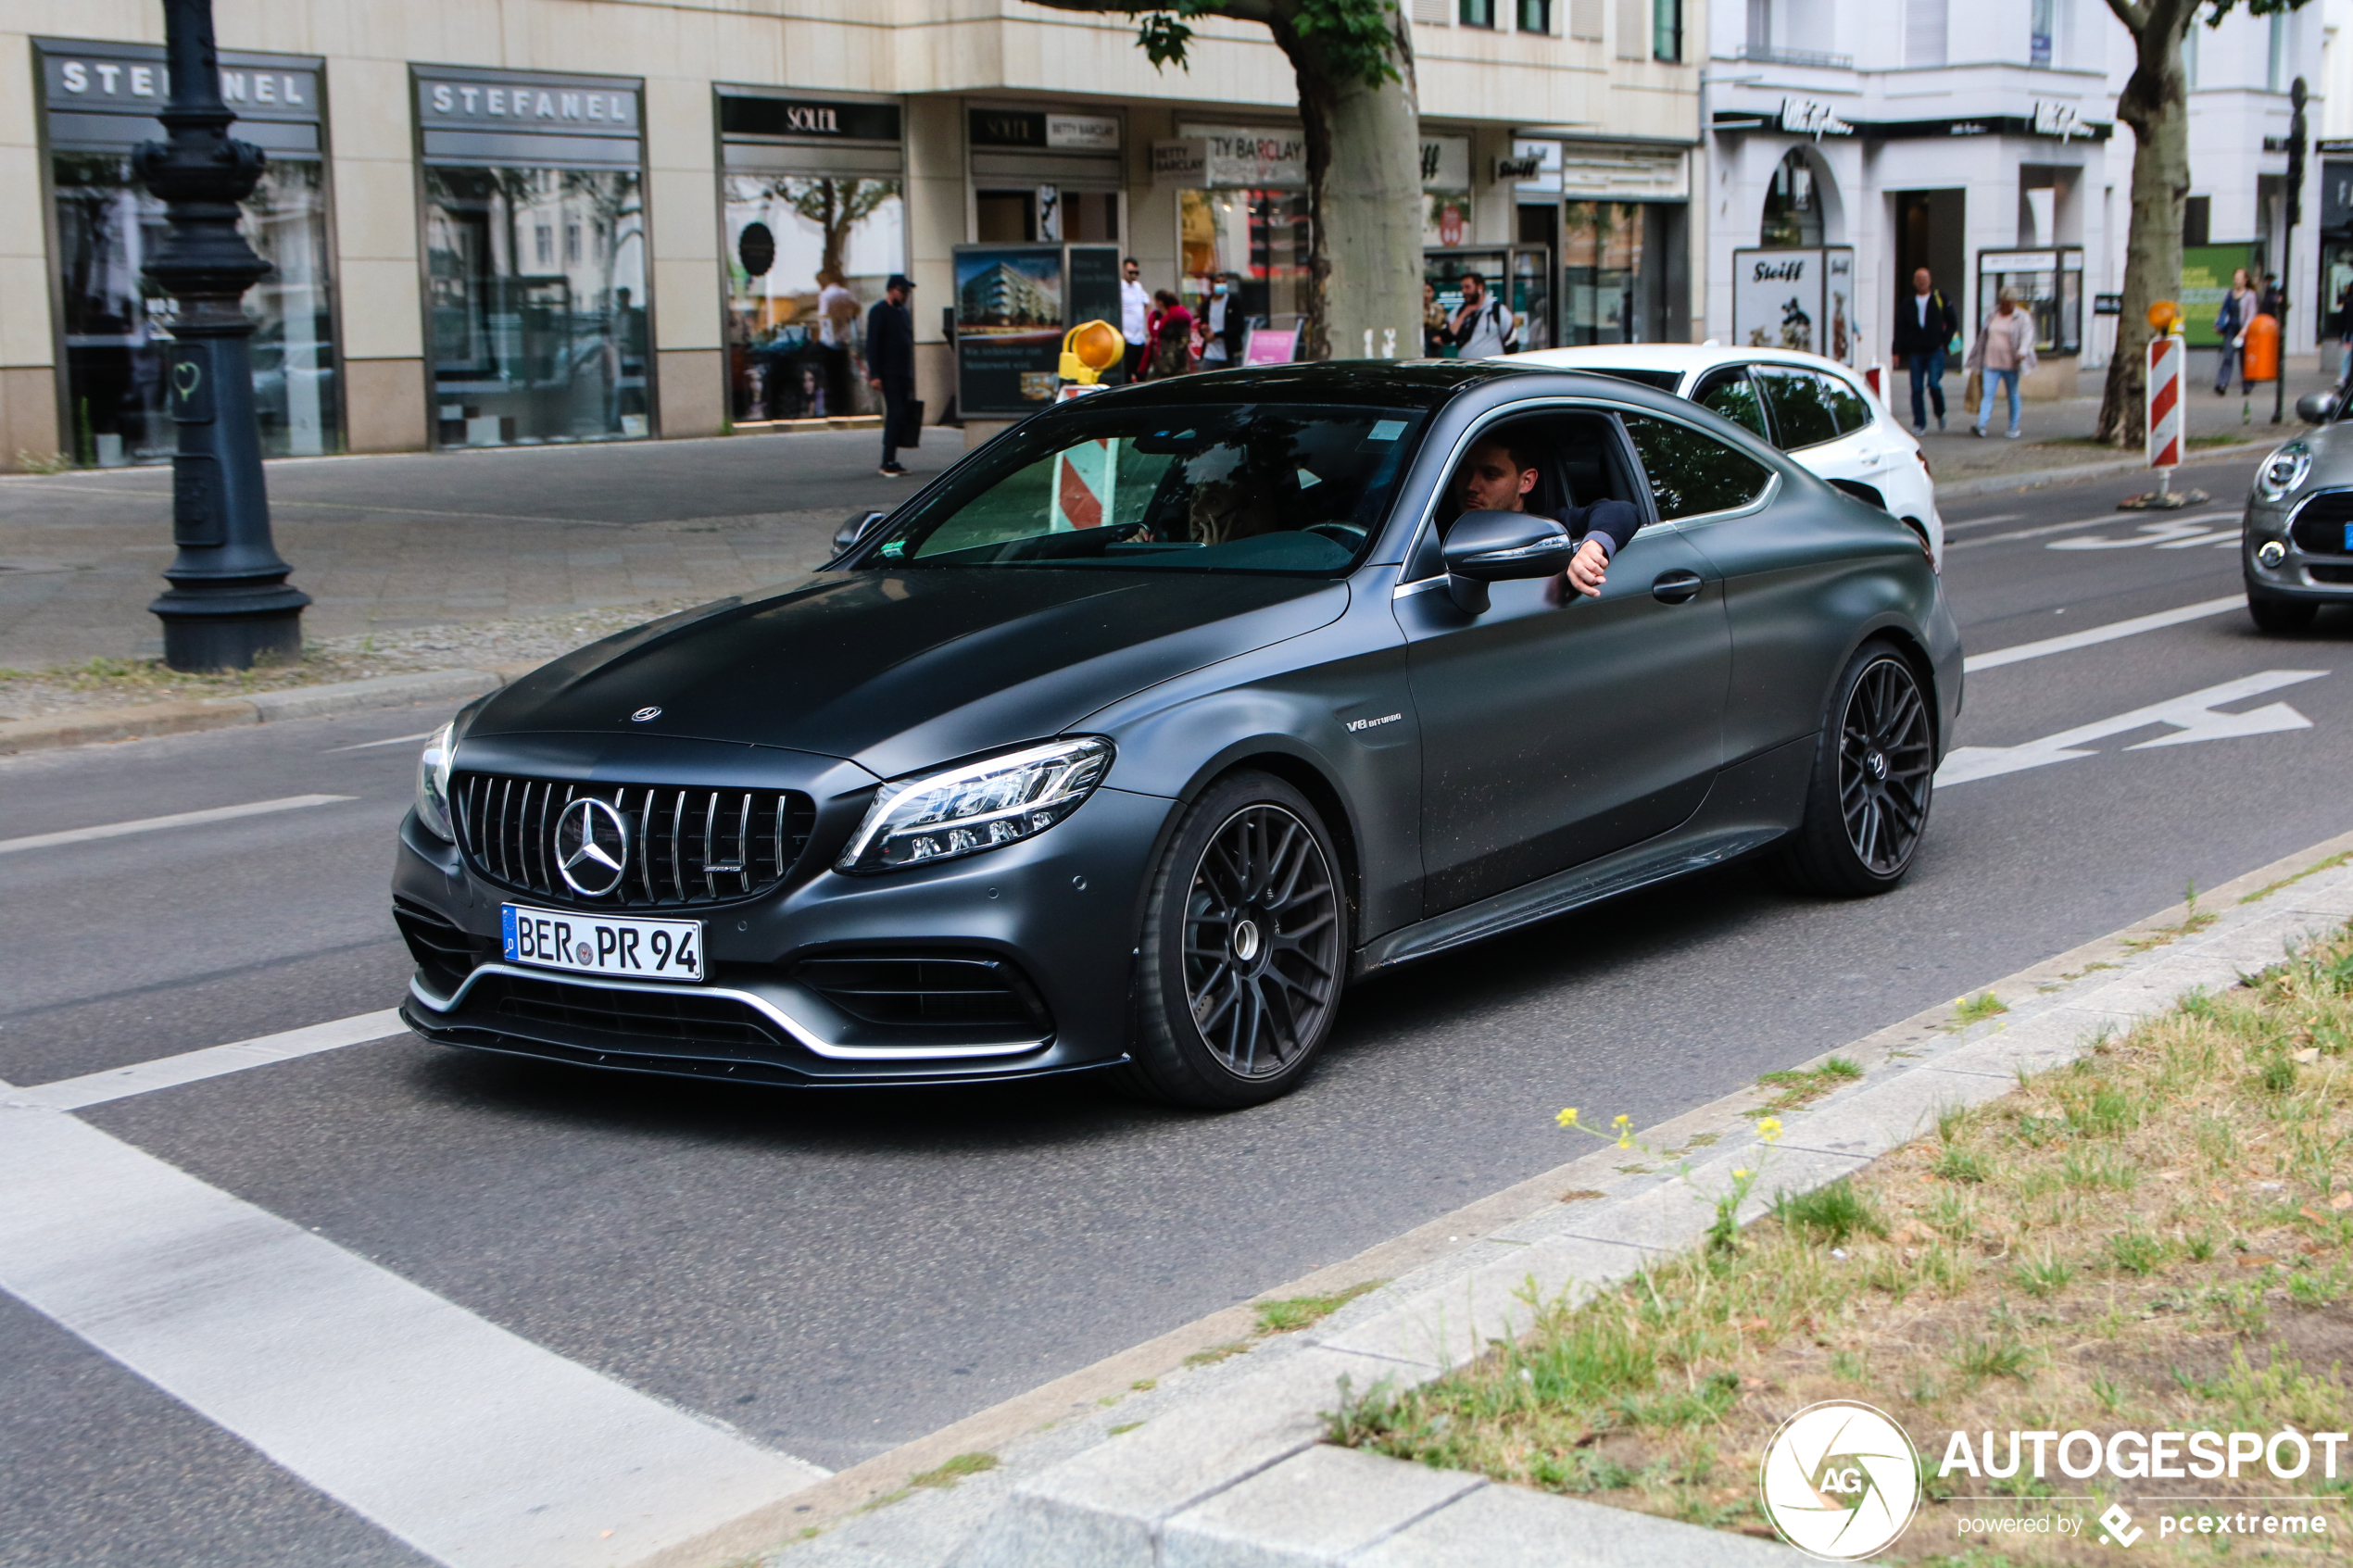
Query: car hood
900	672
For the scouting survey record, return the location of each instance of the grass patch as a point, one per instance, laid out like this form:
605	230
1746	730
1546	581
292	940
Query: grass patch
1804	1086
1293	1313
2148	1238
1216	1353
2194	921
1978	1009
955	1470
2293	878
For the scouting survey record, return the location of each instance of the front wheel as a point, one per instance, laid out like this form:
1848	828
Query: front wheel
1244	950
2279	616
1874	767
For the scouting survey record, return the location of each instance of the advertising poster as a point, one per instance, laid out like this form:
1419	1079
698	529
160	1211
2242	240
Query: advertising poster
2206	278
1094	285
1802	299
1009	327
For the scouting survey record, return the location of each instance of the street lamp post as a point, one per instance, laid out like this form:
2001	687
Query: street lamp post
2293	210
229	603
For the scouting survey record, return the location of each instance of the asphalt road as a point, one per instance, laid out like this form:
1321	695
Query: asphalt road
836	1274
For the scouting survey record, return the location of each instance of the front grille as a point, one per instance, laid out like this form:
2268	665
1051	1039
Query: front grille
698	846
680	1019
2322	524
937	990
2331	574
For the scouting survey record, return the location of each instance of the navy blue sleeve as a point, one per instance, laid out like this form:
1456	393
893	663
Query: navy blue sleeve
1608	523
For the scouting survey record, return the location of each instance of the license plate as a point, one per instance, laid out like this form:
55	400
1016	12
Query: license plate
637	949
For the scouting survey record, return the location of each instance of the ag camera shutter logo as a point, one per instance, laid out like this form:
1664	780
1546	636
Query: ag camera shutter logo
1840	1480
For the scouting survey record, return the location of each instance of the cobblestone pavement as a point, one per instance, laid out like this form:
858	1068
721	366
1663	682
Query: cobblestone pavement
389	544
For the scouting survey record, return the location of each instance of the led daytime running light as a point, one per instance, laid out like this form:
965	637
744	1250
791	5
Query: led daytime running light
980	806
433	783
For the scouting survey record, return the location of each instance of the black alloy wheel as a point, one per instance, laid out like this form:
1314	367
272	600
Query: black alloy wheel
1874	770
1245	948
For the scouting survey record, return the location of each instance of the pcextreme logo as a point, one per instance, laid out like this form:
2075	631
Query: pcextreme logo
1840	1480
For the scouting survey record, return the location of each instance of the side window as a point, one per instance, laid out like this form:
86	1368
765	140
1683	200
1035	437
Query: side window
1730	392
1847	406
1801	405
1691	473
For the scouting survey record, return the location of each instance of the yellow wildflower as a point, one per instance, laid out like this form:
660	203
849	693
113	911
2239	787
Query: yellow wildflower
1625	1125
1769	1129
1567	1118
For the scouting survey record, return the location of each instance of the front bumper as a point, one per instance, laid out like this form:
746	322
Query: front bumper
2306	572
1034	940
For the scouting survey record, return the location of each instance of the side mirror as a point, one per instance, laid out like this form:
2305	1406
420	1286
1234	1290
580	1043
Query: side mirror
853	531
1484	547
2316	408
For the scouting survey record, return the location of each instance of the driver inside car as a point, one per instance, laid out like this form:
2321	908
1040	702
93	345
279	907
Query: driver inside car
1497	478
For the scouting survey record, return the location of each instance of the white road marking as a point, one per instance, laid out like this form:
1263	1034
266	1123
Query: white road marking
178	819
2192	717
2050	528
2172	533
189	1067
1983	521
371	744
2093	636
475	1446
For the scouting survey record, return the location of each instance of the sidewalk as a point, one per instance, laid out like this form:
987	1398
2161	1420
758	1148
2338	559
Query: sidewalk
481	558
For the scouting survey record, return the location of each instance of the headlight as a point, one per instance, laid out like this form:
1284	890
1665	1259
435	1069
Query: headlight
2283	471
433	783
979	806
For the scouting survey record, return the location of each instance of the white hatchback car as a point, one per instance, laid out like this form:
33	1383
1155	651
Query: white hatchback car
1819	411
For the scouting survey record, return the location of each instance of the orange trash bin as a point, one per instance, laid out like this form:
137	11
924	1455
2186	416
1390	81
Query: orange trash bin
2262	356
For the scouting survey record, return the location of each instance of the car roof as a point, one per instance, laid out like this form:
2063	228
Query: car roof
1403	384
1680	357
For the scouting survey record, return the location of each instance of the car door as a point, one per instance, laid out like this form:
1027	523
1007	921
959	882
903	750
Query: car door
1557	728
1729	390
1823	423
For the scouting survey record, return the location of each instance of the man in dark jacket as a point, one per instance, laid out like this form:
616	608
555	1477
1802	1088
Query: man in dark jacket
890	363
1499	475
1925	326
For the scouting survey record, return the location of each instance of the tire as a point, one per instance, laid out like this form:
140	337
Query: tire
2278	616
1867	801
1244	950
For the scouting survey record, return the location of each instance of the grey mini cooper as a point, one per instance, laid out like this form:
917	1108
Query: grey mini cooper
2297	545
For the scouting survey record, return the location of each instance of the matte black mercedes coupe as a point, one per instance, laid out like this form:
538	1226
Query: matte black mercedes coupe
1133	738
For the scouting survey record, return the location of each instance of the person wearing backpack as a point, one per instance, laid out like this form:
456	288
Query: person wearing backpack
1483	326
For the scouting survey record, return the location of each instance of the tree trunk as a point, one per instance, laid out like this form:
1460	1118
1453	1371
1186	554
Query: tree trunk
2155	104
1365	206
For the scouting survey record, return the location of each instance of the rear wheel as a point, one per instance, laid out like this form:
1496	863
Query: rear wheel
1244	948
2277	615
1874	767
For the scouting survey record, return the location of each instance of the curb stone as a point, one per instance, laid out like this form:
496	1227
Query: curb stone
93	726
1995	484
1225	1464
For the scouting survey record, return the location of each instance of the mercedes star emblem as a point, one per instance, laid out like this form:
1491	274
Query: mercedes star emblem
645	713
592	846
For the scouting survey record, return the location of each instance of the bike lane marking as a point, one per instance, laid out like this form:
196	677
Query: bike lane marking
177	819
2094	636
2193	717
212	1062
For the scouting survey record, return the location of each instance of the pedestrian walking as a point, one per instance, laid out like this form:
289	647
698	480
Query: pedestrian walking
1135	319
2003	351
1171	337
2231	322
1484	325
1437	335
1222	324
1926	325
2344	334
890	363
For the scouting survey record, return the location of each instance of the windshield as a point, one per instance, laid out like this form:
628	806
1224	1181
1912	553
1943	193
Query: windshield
1276	487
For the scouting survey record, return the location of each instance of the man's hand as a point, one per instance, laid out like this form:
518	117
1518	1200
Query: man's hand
1588	568
874	382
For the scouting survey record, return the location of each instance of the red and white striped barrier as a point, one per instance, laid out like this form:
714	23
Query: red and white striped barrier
1085	479
2167	355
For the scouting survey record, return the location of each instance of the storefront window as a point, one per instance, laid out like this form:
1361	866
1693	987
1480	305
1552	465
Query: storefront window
807	258
1793	208
538	282
1260	234
117	328
1620	267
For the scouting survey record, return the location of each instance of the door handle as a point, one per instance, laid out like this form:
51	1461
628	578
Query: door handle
1675	587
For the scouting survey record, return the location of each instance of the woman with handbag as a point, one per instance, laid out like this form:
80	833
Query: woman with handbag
2003	351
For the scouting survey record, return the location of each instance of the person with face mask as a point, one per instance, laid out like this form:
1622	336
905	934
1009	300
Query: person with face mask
1223	324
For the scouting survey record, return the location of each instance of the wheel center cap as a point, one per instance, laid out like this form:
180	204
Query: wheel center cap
1875	764
1246	940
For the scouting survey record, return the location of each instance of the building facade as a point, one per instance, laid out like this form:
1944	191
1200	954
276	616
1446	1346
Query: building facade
1979	141
534	221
